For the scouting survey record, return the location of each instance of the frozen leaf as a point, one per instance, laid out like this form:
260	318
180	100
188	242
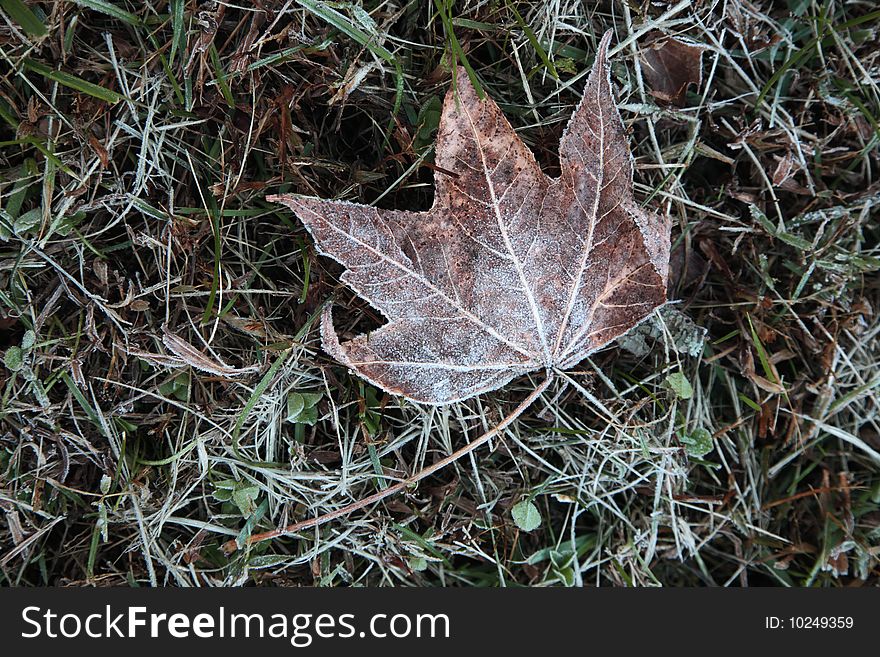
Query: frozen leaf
40	393
686	337
679	384
27	221
6	222
103	524
295	406
245	498
510	271
13	359
418	564
223	489
188	354
28	340
267	561
698	443
302	407
670	66
222	495
786	167
526	516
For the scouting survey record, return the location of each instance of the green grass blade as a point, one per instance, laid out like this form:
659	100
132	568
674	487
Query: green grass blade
73	82
344	25
807	49
110	9
7	115
762	354
20	13
221	76
178	39
457	51
530	35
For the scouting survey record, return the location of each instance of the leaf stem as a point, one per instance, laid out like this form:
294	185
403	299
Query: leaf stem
231	546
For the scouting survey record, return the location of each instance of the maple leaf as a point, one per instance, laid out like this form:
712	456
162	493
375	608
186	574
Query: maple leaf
510	271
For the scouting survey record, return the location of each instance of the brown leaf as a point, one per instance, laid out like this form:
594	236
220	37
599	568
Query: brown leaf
510	271
100	151
786	166
670	66
191	356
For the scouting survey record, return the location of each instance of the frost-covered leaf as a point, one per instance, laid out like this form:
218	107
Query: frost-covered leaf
679	384
6	223
267	561
510	271
39	392
13	359
188	354
302	407
668	322
27	221
526	516
222	495
103	524
418	564
245	498
28	340
698	443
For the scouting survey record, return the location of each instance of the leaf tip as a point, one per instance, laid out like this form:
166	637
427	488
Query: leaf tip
465	82
602	49
295	202
329	338
280	198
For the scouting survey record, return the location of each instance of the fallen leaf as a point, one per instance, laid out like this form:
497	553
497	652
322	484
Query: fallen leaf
786	167
510	271
526	516
189	355
679	384
670	66
698	443
100	151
